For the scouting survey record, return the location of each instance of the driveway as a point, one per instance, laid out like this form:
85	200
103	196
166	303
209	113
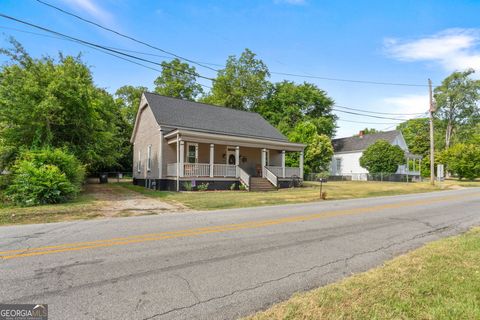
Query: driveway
218	264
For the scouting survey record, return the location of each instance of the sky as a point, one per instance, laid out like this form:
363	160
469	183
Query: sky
395	41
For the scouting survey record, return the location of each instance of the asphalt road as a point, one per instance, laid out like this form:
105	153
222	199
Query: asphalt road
216	265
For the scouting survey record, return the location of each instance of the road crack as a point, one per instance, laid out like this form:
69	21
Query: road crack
263	283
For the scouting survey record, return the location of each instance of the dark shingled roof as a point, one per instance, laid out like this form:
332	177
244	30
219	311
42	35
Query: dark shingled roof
357	143
178	113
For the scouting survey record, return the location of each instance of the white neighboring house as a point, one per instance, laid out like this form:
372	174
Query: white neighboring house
347	153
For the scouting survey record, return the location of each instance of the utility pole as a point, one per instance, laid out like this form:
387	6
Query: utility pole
432	144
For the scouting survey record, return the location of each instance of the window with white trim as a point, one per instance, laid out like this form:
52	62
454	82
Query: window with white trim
149	158
192	152
139	160
338	162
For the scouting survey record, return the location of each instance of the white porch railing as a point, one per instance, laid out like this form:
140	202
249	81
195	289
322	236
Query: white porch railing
244	177
172	169
224	170
289	171
196	169
271	177
203	170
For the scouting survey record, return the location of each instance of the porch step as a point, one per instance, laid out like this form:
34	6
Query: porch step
261	184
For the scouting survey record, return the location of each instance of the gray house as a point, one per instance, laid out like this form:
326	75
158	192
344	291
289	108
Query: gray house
177	141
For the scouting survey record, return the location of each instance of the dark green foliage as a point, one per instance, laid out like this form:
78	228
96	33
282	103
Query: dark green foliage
45	103
457	103
67	163
463	160
382	157
242	84
288	104
35	185
45	176
178	80
318	151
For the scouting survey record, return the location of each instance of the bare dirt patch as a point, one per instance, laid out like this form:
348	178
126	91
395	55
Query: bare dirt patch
112	200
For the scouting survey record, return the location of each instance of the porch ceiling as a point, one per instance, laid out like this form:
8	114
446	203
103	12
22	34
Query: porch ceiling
203	137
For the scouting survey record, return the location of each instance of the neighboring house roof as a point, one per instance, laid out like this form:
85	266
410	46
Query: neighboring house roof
358	143
177	113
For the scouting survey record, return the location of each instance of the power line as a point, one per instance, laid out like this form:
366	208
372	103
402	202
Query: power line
351	80
124	35
373	123
100	46
377	112
366	115
204	64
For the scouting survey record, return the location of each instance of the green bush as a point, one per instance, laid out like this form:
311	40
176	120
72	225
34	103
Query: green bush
463	160
187	185
45	176
382	157
202	187
66	162
35	185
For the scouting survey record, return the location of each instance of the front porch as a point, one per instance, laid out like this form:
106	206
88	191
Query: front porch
201	161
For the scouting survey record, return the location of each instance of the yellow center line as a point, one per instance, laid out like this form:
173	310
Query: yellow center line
18	253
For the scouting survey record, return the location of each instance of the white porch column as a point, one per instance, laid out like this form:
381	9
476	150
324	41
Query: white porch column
301	165
264	161
182	156
237	160
178	162
160	155
212	154
283	163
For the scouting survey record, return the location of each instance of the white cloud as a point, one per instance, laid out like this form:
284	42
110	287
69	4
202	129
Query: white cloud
411	103
453	49
92	9
292	2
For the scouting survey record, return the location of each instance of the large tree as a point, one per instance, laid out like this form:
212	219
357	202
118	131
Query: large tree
417	135
457	102
49	103
288	104
382	157
128	98
463	160
242	84
318	150
179	80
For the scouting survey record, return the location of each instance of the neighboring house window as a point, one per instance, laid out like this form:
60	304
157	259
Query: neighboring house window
192	152
139	161
149	158
338	164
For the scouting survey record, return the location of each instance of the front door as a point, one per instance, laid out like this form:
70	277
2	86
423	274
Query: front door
230	155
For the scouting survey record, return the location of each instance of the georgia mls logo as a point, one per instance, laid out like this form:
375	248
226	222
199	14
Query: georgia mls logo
23	312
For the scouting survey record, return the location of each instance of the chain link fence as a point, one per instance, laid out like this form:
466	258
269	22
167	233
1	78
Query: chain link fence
381	177
110	177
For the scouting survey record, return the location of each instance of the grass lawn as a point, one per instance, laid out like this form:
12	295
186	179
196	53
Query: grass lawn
80	208
97	201
438	281
211	200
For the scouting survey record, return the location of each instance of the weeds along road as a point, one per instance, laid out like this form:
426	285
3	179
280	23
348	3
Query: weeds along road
218	264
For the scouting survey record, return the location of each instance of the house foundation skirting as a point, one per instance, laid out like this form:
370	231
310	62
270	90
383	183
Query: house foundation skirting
171	184
213	184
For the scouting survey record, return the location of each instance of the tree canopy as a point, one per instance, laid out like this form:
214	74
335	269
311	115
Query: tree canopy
457	103
319	149
288	104
382	157
48	103
178	80
242	84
